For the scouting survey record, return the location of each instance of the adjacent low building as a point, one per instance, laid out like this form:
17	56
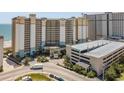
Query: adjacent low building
1	52
97	55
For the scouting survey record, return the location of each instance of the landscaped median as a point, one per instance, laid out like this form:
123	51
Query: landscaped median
35	77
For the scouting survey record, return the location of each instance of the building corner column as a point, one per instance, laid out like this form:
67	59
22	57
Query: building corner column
32	33
43	32
62	32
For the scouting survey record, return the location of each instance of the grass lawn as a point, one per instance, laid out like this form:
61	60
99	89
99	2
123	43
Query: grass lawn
36	77
122	77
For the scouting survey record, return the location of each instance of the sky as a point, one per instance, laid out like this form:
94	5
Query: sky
6	17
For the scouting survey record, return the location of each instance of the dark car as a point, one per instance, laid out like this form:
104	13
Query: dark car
59	78
51	75
56	77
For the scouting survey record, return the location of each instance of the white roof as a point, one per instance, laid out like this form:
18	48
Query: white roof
99	48
37	64
90	45
105	50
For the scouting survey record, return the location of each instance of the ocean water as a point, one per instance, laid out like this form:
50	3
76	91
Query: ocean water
6	31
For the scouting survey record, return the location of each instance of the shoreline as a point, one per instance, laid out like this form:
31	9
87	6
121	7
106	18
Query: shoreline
7	44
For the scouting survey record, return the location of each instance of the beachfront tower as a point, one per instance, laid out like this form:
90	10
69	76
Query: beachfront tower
32	34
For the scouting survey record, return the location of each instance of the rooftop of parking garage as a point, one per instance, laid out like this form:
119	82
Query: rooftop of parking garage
98	48
90	45
105	50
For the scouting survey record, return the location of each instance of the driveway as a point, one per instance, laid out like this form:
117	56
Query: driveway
48	67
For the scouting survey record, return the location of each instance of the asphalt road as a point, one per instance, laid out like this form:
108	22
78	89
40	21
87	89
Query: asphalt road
47	68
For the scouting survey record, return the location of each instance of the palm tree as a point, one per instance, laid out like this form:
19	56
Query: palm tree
39	59
26	61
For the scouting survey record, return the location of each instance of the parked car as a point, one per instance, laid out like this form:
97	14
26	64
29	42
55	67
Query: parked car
51	75
59	78
37	66
56	77
27	78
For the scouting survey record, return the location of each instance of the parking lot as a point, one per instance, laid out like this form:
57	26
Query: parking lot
8	65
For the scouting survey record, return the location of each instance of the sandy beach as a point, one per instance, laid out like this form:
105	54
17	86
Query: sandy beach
7	44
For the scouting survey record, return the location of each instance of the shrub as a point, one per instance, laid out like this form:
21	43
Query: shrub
42	59
121	60
68	65
119	68
91	74
111	74
84	72
77	68
67	62
63	52
67	59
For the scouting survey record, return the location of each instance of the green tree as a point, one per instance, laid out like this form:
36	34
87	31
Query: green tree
63	52
42	59
91	74
66	58
83	72
67	62
39	59
68	65
26	61
111	74
119	68
121	60
77	68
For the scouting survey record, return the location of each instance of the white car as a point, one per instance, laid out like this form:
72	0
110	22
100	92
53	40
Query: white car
27	78
37	66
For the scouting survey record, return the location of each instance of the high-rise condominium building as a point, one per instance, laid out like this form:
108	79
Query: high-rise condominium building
105	25
30	34
1	52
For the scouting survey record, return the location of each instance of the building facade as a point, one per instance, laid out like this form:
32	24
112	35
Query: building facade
97	55
30	34
1	52
105	25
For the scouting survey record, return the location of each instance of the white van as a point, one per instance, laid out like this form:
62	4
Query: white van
37	66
